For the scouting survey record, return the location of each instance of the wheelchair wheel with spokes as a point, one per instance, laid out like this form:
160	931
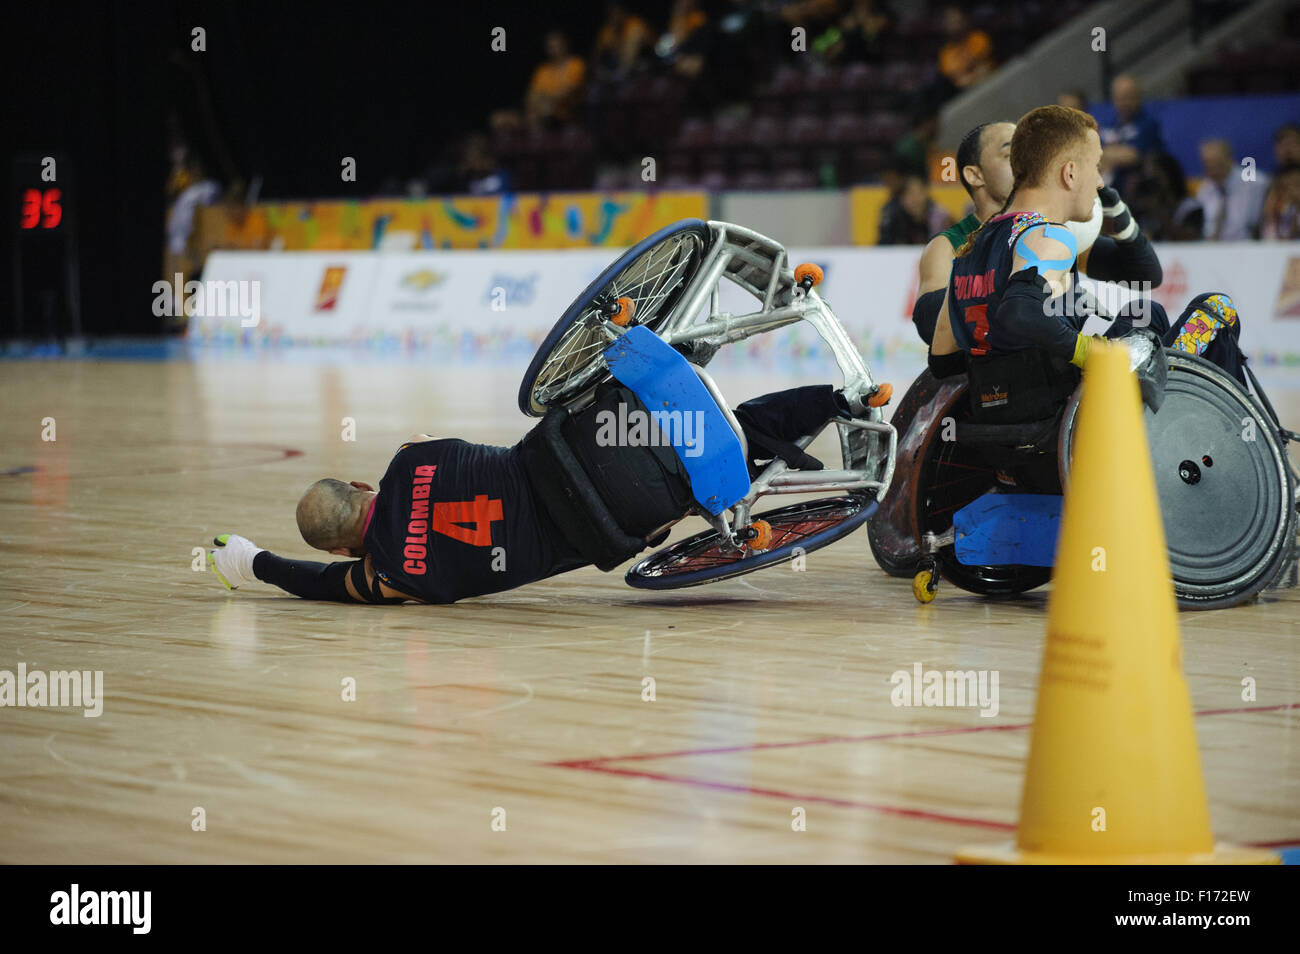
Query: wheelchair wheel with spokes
1227	497
953	474
795	530
645	283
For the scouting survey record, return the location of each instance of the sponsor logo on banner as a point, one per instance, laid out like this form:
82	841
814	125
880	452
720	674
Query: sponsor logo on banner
1288	296
519	291
422	279
413	293
330	285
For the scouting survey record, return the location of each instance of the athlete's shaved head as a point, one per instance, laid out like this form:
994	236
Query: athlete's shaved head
330	514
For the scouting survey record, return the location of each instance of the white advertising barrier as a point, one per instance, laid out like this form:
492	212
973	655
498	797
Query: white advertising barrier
463	305
497	306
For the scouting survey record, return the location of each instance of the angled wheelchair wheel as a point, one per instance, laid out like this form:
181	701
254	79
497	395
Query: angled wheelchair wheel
795	530
642	286
1227	496
951	475
918	419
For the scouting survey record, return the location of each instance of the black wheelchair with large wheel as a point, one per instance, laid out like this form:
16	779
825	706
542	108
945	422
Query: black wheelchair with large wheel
1226	486
648	326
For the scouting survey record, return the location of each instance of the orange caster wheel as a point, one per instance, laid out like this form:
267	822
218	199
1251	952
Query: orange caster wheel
808	275
624	309
880	397
762	535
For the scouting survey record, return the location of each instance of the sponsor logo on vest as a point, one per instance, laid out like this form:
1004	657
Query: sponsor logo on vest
994	396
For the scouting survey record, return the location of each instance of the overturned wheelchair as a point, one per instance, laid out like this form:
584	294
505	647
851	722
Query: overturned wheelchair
639	337
1226	486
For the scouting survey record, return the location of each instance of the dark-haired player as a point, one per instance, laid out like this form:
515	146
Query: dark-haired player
984	167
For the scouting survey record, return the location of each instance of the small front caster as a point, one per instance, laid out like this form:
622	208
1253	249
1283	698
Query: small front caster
925	585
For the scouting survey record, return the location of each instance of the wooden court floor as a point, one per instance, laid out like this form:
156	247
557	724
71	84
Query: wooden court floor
527	709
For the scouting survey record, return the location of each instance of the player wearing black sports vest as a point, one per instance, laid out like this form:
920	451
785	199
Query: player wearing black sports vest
452	520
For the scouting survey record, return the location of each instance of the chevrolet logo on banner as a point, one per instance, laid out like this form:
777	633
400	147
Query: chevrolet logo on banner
422	280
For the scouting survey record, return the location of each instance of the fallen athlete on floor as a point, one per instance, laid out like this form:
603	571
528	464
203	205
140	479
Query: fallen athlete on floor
452	520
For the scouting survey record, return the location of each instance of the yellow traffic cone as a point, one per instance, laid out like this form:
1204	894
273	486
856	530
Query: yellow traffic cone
1114	776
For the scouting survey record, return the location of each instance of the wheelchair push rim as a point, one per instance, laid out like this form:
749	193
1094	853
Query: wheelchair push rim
797	529
651	276
1227	497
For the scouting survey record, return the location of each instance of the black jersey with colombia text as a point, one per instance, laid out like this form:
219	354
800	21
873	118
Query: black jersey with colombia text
454	520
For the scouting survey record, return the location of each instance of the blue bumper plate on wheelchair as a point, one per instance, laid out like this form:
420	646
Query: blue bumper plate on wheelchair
685	414
1008	530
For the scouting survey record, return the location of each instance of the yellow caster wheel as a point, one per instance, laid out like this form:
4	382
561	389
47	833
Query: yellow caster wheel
925	585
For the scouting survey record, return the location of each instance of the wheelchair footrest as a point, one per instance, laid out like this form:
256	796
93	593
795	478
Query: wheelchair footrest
1008	530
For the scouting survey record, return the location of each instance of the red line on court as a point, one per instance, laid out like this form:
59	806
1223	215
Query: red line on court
605	765
791	796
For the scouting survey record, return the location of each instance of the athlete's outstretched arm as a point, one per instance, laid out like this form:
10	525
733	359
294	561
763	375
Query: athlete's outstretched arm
239	561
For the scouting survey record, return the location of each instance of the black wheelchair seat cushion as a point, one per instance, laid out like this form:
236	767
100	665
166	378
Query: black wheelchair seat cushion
606	499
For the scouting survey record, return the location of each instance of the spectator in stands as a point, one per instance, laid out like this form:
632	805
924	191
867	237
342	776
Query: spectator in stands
683	45
1133	136
966	57
1161	204
622	43
736	54
479	172
860	36
1286	145
1281	217
556	86
196	189
912	151
1232	205
815	16
1073	99
911	216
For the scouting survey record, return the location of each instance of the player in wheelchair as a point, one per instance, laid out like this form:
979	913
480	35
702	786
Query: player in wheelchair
634	437
649	325
987	433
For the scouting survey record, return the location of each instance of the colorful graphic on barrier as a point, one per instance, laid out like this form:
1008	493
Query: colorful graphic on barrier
524	220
